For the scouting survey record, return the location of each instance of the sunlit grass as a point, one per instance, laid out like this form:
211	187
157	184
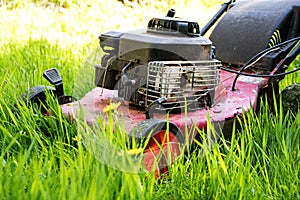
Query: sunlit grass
81	23
41	157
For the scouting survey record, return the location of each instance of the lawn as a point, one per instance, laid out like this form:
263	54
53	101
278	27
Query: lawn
42	157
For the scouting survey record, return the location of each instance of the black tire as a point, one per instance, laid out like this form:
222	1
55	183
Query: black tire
36	96
160	149
152	126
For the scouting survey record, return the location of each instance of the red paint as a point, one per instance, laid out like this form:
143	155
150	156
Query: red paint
161	150
227	105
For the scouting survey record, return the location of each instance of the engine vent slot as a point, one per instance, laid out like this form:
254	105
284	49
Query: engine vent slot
183	83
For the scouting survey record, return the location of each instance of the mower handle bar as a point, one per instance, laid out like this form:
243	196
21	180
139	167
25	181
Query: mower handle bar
217	16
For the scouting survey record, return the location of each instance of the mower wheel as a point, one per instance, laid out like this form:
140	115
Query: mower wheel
37	96
291	98
161	141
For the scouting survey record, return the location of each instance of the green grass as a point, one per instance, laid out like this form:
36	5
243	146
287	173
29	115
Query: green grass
39	158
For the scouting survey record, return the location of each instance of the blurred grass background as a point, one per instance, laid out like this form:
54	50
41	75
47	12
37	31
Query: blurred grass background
261	160
37	35
80	22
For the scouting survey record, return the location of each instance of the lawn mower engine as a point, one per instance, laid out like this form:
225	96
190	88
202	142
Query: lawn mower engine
168	62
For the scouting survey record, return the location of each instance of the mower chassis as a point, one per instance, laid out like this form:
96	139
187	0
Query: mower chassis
227	105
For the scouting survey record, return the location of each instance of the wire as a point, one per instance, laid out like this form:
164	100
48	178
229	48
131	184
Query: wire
109	61
126	81
258	56
260	75
126	67
250	65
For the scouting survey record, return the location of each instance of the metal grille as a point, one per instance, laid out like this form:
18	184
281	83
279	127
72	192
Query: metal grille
182	83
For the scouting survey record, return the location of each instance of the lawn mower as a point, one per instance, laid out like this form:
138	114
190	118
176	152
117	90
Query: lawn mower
168	81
